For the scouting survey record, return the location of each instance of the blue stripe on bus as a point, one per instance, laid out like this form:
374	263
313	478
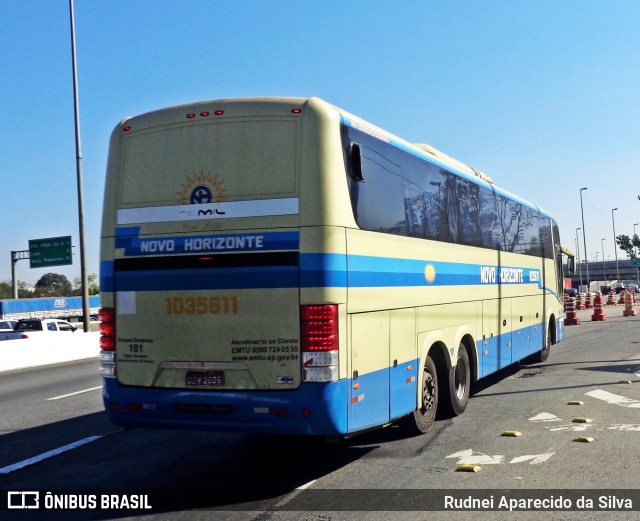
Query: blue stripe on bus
321	270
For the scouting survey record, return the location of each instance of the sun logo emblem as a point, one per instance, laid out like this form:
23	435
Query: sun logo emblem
202	188
430	273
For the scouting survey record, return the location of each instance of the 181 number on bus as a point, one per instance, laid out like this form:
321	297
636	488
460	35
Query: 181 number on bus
202	305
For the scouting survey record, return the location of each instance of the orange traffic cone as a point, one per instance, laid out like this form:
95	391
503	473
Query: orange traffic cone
588	304
598	313
571	319
628	305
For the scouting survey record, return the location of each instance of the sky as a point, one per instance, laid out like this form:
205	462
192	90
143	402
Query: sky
542	95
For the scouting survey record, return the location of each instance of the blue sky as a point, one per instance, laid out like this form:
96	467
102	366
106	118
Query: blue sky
542	95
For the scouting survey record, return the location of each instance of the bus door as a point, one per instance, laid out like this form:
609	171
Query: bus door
403	362
369	400
505	344
490	332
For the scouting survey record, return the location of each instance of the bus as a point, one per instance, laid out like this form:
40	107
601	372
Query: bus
280	266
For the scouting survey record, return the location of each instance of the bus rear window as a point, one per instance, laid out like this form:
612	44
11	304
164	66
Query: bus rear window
232	159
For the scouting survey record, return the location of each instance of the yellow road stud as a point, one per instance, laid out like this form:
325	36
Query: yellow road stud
468	467
511	434
584	439
582	420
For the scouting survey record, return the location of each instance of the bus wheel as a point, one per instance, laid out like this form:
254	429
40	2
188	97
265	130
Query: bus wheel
459	383
421	420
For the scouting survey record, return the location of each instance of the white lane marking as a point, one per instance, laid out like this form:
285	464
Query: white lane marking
73	394
47	455
614	399
472	457
571	427
293	494
535	458
545	417
625	427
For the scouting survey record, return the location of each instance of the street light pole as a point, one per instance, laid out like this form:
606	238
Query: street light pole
584	240
83	262
637	269
604	268
578	254
615	246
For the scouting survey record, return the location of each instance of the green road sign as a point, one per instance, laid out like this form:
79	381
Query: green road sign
636	263
55	251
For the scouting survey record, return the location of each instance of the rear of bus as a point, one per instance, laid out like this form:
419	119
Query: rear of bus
218	312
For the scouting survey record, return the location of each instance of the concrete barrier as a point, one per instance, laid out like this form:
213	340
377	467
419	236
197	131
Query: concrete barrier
33	352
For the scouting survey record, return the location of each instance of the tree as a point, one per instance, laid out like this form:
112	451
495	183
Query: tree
53	285
24	291
629	245
94	288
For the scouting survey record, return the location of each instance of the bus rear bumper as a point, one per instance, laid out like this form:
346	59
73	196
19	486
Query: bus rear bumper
316	409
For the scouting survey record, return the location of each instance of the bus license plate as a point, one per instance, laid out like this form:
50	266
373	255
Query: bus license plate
205	378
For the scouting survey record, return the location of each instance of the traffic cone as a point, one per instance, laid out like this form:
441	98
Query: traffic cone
628	305
579	302
571	319
621	299
588	304
611	300
598	313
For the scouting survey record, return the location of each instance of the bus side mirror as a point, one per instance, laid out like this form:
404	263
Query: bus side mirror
355	160
571	265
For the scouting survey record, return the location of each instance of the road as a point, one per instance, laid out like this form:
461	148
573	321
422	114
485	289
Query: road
55	436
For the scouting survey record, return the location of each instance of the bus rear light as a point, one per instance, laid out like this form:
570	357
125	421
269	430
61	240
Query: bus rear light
296	111
107	365
320	374
204	114
191	115
126	129
321	358
319	342
219	112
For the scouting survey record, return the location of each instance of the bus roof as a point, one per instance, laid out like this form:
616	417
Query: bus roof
267	105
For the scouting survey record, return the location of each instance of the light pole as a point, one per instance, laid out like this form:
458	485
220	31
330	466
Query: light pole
604	269
637	269
584	239
76	112
615	246
578	254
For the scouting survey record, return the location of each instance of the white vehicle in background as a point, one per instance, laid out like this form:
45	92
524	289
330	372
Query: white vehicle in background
8	325
27	328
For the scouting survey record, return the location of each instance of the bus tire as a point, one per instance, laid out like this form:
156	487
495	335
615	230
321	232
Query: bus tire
421	420
459	384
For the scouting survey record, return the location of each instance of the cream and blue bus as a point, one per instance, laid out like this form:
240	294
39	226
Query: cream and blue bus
278	265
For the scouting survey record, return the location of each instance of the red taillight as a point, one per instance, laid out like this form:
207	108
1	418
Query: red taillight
296	111
107	329
191	115
319	327
219	112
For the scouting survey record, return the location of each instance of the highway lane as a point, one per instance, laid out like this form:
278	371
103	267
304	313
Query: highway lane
261	477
